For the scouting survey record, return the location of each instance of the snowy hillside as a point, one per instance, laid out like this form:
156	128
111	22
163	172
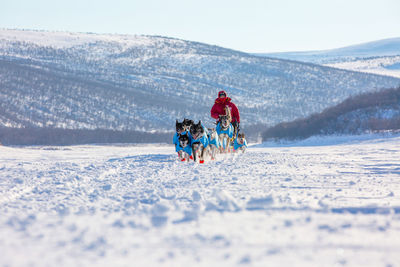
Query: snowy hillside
329	205
386	47
77	80
368	112
379	57
385	65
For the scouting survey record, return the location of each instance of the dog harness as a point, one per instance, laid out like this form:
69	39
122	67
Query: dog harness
228	131
187	149
236	145
215	142
204	140
175	140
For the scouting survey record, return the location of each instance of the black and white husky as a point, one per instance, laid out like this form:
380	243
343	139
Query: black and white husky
187	124
199	141
186	150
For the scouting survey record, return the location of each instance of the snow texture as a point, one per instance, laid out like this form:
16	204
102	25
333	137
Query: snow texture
299	204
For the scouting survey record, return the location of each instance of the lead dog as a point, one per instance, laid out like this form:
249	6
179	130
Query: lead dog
184	149
179	129
199	141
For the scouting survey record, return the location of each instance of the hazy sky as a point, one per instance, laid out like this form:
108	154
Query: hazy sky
246	25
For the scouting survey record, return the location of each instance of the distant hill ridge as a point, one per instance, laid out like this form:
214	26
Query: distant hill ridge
385	47
379	57
143	83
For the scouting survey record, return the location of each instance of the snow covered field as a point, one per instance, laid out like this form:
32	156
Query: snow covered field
331	205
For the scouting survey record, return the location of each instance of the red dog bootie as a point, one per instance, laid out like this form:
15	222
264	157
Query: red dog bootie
191	157
201	161
183	159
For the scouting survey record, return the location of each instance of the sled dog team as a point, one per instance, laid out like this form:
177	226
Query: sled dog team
194	141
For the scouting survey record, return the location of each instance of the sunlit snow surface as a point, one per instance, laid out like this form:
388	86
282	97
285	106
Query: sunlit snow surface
291	205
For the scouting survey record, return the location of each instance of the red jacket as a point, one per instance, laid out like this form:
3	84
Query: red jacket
219	109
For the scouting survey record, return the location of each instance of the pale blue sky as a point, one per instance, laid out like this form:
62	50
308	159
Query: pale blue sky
246	25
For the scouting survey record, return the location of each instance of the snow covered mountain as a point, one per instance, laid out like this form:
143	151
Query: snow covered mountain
378	57
127	82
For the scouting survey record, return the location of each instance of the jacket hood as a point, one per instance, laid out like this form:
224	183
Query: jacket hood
222	92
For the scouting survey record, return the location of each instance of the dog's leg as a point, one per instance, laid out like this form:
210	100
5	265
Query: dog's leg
225	142
214	152
204	150
181	155
211	151
222	147
194	153
195	148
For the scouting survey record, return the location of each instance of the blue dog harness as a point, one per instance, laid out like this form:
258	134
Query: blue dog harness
175	139
187	149
228	131
203	139
215	142
236	145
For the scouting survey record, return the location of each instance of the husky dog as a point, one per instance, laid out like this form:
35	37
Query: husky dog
179	129
180	126
187	124
214	142
225	132
183	148
240	143
199	141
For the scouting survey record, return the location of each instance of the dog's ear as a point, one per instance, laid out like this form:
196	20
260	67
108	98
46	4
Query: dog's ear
199	122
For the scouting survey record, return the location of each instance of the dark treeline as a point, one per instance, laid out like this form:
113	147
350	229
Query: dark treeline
337	119
58	136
